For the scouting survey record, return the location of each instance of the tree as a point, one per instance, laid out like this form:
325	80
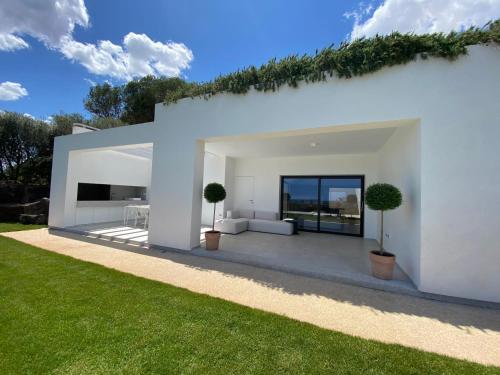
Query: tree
383	197
27	144
22	139
140	97
104	101
133	102
62	123
214	193
106	122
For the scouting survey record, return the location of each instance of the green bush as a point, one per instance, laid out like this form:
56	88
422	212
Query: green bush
382	197
214	193
359	57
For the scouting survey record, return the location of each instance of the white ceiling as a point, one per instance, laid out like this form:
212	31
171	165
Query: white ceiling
345	142
338	142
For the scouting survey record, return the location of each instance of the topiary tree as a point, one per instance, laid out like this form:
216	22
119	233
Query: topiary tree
383	197
214	193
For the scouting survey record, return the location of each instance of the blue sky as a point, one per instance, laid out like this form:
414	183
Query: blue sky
49	57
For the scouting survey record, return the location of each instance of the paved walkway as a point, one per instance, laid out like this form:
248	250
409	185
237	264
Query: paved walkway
459	331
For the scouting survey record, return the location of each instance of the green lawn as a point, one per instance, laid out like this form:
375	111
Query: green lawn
14	227
61	315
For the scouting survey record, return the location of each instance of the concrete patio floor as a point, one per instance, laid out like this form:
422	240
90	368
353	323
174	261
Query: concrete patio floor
460	331
326	256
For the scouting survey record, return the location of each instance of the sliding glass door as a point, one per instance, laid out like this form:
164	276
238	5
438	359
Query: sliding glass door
332	204
340	205
300	201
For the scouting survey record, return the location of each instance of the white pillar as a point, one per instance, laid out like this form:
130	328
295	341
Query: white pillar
176	193
60	162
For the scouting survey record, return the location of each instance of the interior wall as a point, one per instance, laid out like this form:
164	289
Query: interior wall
267	172
103	167
399	165
229	184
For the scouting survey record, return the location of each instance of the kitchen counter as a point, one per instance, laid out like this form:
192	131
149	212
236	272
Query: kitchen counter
109	203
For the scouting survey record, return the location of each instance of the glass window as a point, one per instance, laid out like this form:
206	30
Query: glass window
300	201
324	203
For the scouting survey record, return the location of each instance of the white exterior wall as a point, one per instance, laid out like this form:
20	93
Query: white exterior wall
399	165
267	172
460	238
456	104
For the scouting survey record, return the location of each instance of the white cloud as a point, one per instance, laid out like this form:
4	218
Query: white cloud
360	13
29	116
9	42
136	57
12	91
49	120
53	23
423	16
48	21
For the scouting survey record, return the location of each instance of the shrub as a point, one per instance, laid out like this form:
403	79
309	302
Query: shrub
214	193
382	197
356	58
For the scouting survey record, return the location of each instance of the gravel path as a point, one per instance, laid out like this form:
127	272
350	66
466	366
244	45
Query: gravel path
459	331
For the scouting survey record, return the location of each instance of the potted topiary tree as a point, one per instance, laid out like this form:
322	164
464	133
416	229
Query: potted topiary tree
382	197
213	193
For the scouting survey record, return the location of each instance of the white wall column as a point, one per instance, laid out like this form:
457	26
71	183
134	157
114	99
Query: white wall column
60	164
176	193
197	194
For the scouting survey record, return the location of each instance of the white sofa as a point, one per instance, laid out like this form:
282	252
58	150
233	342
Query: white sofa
232	226
256	221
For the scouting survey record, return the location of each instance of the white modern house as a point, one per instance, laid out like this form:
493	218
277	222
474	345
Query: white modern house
430	127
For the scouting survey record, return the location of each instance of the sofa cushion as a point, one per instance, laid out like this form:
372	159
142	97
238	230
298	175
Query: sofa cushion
247	214
232	214
266	215
270	226
232	226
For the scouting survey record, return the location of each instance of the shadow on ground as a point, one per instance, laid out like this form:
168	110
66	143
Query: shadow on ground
461	316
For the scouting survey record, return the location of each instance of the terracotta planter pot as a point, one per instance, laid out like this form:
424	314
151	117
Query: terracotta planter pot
212	239
382	265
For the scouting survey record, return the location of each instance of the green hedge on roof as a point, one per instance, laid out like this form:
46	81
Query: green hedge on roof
356	58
